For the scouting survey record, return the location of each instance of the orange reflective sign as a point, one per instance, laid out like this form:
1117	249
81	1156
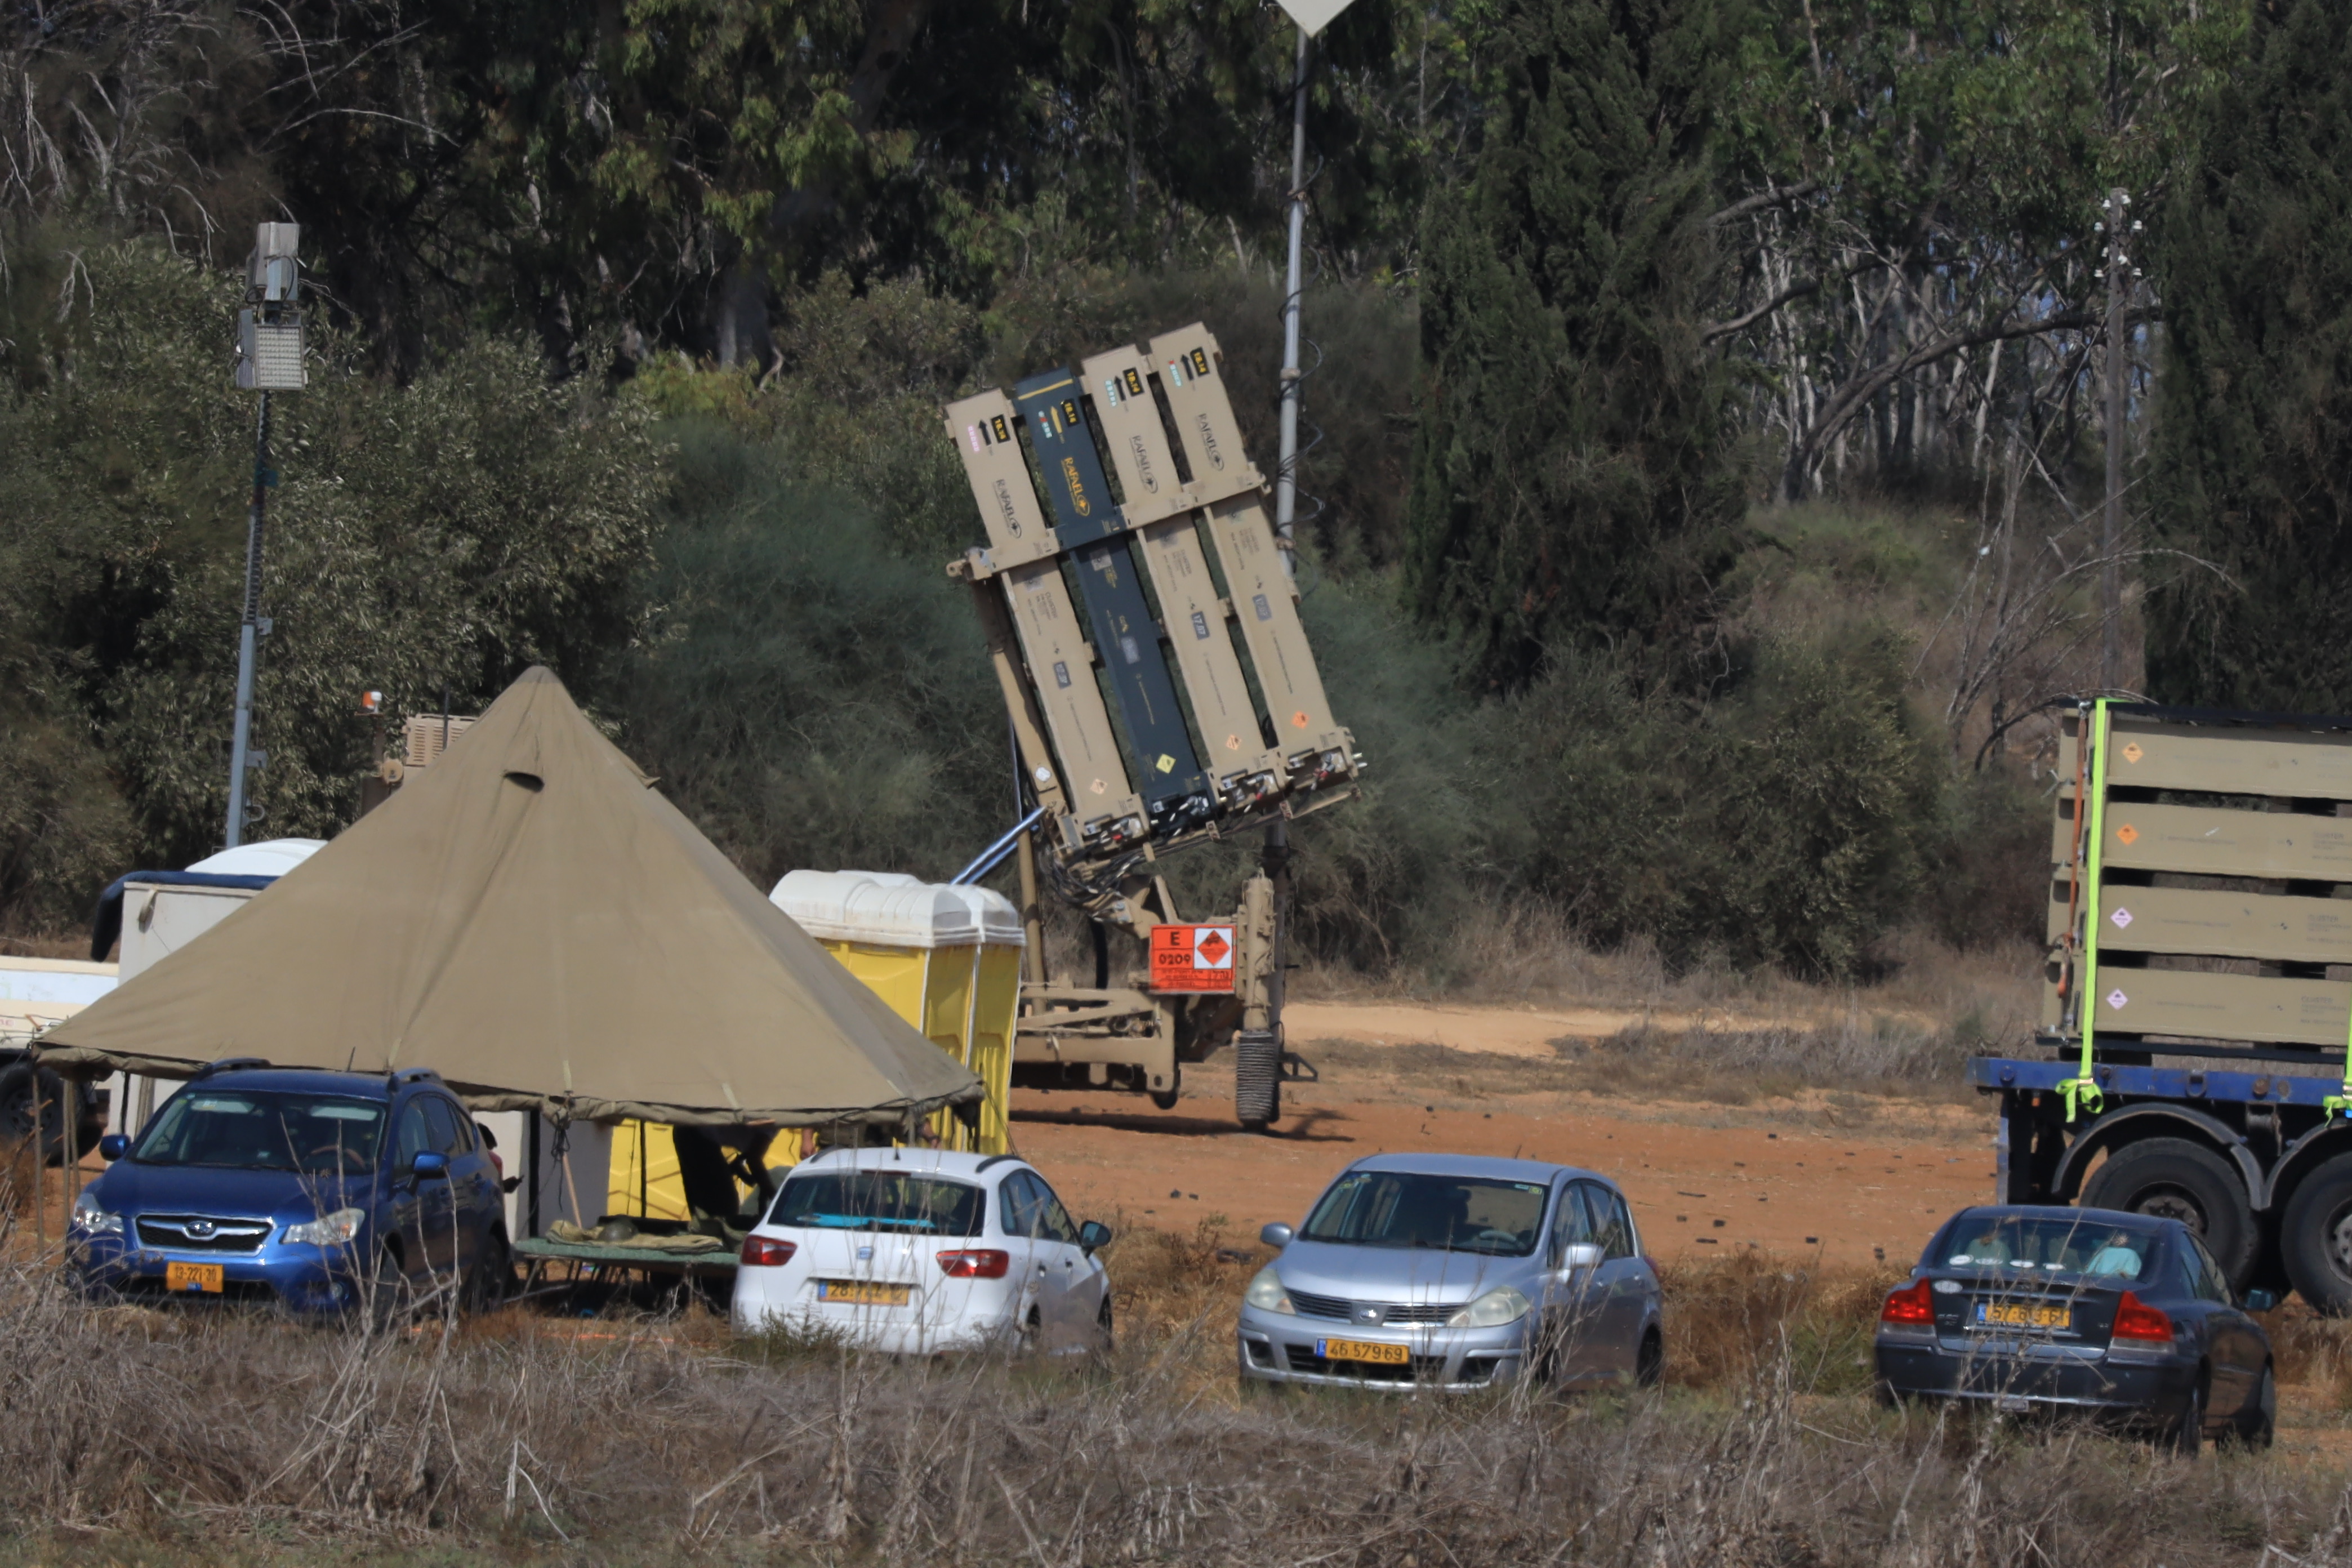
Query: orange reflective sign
1192	958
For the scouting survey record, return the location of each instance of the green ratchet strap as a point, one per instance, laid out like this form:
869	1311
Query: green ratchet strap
2082	1091
2335	1104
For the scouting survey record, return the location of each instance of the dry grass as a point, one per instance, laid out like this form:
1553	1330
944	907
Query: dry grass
137	1435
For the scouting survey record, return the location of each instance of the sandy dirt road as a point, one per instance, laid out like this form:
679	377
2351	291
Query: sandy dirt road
1704	1179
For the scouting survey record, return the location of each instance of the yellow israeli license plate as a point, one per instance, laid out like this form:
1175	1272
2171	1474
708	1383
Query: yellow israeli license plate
1358	1349
2022	1315
862	1292
203	1277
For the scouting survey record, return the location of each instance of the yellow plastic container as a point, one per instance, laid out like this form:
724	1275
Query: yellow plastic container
946	959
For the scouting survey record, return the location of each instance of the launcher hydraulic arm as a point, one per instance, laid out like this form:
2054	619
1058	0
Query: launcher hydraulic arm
1146	636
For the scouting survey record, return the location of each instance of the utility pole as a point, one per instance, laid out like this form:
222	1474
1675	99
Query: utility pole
268	359
2111	531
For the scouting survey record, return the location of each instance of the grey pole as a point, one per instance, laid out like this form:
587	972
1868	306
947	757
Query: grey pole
1277	857
1285	474
249	633
2111	531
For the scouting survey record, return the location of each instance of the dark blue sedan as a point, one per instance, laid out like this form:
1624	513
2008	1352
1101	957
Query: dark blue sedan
312	1190
2122	1317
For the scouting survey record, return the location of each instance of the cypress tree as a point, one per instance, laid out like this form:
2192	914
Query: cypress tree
2252	450
1570	485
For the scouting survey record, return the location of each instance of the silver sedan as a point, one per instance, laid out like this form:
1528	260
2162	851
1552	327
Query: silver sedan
1455	1271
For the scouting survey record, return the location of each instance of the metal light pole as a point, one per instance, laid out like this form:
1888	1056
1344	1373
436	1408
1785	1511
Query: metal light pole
1312	16
1285	473
268	359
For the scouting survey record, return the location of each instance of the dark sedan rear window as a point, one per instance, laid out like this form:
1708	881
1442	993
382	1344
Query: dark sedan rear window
2051	1244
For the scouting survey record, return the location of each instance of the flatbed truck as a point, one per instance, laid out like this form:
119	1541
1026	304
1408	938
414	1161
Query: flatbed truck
2195	1054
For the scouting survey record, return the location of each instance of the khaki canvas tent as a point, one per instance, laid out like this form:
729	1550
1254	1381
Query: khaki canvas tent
529	918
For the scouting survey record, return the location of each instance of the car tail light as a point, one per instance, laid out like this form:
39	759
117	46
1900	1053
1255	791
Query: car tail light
2135	1319
766	1252
980	1263
1910	1305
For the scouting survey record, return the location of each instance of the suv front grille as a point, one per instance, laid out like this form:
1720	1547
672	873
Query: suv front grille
1322	1306
202	1232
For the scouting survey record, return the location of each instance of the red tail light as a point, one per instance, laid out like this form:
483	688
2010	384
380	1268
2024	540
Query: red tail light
2135	1319
981	1263
1909	1306
766	1252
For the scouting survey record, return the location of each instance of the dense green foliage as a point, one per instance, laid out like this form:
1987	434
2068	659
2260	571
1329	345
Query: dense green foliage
2253	463
440	536
634	320
1570	480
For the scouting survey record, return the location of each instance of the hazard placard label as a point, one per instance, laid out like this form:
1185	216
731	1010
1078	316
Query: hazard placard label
1192	958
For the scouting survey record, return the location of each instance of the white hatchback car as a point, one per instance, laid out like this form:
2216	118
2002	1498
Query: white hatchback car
916	1251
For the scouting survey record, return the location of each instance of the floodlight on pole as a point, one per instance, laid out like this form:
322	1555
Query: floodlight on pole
268	359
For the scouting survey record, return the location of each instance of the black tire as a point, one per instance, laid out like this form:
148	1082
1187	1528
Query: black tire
1104	1326
492	1277
1164	1098
2258	1424
2174	1179
1258	1079
2187	1434
389	1297
17	1083
2315	1237
1650	1361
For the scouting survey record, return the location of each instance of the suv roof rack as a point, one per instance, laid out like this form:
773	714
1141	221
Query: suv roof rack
228	1064
412	1074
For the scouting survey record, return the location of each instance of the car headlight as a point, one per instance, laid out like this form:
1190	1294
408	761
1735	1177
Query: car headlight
1492	1310
94	1219
1267	1294
334	1230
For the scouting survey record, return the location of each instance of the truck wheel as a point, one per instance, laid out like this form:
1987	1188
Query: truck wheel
2315	1237
2173	1178
1258	1079
16	1110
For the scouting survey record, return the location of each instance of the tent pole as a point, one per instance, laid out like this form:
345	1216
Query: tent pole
40	1158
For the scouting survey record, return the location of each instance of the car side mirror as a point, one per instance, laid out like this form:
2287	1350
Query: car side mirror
430	1165
112	1147
2261	1301
1093	1236
1277	1236
1578	1255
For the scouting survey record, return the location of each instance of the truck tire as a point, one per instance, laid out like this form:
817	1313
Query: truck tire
17	1101
2173	1178
1258	1079
2315	1237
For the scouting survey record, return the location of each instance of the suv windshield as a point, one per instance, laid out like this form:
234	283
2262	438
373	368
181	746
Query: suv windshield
879	1200
1451	1214
268	1129
2053	1244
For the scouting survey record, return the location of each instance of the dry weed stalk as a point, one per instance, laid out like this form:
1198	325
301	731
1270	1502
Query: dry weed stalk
657	1437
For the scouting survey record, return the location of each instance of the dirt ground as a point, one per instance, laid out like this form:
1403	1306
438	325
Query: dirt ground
1850	1180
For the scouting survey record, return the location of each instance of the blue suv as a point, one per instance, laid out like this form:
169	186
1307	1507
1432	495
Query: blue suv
315	1191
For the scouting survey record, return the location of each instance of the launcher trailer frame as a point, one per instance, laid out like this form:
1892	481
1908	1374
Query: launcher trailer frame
1167	602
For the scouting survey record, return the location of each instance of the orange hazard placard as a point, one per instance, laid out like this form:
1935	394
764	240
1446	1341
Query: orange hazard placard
1191	958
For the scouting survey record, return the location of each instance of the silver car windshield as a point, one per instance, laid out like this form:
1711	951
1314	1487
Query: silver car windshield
1448	1214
